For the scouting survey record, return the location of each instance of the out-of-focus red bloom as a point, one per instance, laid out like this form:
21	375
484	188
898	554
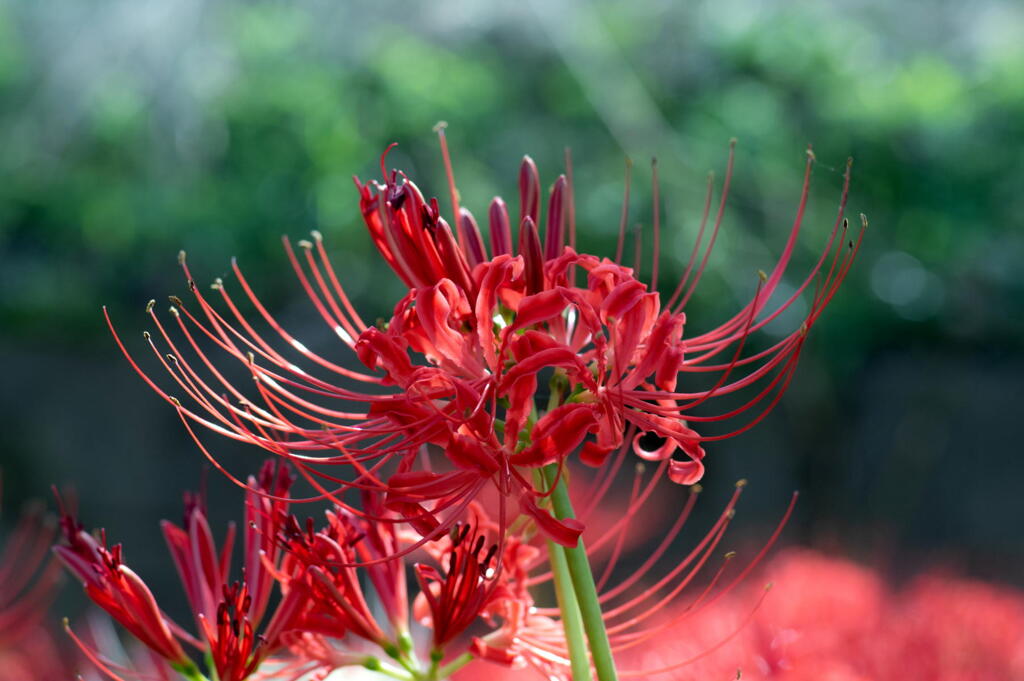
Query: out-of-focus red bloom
960	630
228	614
28	581
484	336
828	619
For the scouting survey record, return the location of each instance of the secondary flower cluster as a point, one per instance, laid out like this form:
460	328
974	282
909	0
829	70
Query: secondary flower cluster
314	598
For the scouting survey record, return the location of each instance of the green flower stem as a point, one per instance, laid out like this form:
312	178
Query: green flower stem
454	666
583	583
572	621
190	672
375	664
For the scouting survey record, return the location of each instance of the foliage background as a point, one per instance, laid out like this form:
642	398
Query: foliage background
133	128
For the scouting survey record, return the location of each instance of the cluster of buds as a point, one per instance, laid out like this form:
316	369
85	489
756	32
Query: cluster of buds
505	370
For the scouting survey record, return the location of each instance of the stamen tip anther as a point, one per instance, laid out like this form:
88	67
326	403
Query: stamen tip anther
640	468
174	311
696	489
66	623
742	482
149	305
729	555
810	154
176	301
864	220
305	243
849	161
174	400
440	126
769	586
217	284
145	334
317	236
181	257
732	142
762	276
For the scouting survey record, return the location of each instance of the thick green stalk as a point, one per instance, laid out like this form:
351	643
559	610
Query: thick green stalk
572	621
583	583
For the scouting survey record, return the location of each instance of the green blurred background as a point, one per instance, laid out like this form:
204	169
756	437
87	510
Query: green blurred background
131	129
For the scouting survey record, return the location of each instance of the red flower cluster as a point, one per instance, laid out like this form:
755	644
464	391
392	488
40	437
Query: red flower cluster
228	614
497	357
476	589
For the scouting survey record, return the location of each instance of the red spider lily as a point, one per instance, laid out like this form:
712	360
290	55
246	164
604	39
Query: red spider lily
228	614
482	326
118	590
319	564
452	598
